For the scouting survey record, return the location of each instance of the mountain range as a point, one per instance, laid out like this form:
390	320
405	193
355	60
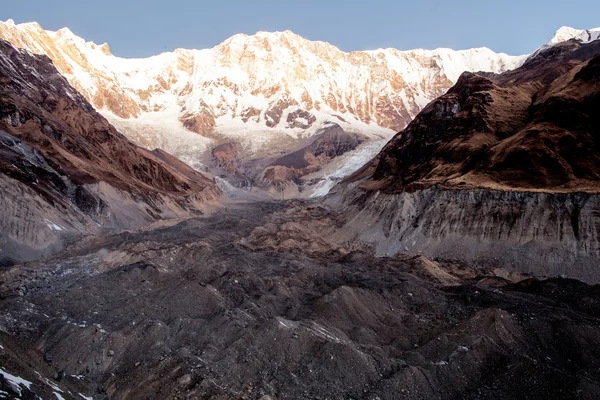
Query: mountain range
455	259
268	91
266	94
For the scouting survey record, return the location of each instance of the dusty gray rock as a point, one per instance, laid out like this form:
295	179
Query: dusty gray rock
307	319
543	234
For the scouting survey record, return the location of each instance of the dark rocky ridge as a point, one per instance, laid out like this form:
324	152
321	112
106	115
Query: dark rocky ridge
502	171
534	128
332	141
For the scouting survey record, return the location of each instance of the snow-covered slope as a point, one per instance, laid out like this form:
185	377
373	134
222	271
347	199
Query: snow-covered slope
255	89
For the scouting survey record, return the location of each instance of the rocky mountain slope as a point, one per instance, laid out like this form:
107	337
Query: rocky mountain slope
260	90
502	170
66	172
532	128
328	143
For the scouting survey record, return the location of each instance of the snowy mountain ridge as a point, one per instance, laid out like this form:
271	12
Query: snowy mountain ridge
267	91
270	82
565	33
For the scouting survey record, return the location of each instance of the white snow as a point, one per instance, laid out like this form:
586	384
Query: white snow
256	71
287	323
422	101
323	187
16	381
324	333
53	386
566	33
58	396
86	397
53	226
344	166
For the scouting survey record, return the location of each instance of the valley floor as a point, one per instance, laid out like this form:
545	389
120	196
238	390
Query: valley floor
258	302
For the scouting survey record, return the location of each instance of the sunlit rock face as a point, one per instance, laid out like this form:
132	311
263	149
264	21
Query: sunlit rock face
265	81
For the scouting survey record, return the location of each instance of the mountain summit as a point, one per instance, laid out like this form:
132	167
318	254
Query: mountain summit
268	94
268	82
566	33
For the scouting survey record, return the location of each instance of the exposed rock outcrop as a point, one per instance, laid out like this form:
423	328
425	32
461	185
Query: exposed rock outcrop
542	234
226	156
202	122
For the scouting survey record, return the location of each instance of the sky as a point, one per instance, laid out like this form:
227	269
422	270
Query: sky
136	28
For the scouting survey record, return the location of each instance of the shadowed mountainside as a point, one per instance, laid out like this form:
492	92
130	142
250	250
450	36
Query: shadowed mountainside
534	128
65	171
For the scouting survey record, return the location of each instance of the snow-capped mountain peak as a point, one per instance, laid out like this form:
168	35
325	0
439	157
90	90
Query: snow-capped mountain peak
565	33
257	89
259	78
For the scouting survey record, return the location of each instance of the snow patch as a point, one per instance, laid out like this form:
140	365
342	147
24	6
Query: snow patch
53	226
16	381
324	333
287	323
343	166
